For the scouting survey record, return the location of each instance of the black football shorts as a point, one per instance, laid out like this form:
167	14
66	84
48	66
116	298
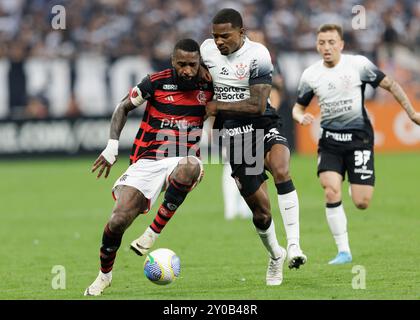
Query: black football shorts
248	164
348	152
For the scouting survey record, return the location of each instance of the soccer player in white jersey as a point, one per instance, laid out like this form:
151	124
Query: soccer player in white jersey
241	71
346	141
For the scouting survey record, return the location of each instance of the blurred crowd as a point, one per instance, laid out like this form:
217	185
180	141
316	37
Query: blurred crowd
149	28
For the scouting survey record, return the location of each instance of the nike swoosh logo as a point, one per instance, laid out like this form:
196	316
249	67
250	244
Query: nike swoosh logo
365	177
289	208
209	67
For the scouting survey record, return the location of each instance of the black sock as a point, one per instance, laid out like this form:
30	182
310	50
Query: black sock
110	243
174	196
285	187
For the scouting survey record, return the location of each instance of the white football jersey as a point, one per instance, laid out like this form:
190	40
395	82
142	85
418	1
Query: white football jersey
235	73
340	91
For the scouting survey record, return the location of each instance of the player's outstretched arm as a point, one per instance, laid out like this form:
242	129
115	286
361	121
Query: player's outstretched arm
109	156
395	89
254	105
300	116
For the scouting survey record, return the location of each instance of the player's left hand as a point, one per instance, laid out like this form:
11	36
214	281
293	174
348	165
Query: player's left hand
415	117
204	74
307	119
211	108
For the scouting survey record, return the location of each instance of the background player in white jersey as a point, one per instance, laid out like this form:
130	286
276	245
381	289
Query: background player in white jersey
346	141
242	73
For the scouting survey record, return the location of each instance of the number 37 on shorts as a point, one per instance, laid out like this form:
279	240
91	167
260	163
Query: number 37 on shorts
363	171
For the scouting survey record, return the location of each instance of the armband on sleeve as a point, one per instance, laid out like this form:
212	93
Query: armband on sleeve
136	96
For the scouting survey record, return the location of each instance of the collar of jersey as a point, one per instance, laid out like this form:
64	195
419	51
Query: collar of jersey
241	49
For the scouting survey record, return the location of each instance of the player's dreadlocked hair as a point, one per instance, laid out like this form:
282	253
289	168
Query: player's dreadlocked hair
228	15
188	45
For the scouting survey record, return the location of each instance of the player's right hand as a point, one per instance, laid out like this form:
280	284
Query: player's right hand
211	108
415	117
106	159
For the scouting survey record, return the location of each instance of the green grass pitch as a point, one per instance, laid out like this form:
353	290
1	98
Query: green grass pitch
53	213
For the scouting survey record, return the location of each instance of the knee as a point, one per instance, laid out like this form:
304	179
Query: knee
261	218
332	194
280	173
119	221
362	203
188	171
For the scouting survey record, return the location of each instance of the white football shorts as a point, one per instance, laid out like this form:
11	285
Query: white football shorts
150	177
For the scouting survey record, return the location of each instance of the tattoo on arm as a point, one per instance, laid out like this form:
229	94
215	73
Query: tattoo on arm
254	105
395	89
119	117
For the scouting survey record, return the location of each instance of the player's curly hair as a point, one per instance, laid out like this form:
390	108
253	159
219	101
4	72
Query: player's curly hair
188	45
228	15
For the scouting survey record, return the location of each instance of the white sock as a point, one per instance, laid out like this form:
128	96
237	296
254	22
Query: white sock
289	209
230	193
337	222
269	239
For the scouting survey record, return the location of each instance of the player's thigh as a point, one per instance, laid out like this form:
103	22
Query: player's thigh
130	199
277	152
129	204
331	161
331	182
361	195
187	170
147	176
277	162
360	166
247	183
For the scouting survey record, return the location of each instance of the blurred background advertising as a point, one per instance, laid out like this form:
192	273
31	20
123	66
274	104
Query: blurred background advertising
60	83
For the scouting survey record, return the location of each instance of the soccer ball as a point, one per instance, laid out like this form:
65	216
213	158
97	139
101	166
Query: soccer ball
162	266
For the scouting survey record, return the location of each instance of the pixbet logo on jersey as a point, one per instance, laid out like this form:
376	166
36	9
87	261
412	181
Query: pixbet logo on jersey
180	124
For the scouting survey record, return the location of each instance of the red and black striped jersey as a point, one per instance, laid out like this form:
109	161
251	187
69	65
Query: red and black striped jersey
173	119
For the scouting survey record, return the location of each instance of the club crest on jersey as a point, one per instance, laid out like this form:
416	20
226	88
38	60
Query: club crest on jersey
201	97
134	92
346	82
241	71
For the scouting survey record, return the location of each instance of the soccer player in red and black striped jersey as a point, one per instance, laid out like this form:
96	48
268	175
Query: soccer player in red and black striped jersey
164	154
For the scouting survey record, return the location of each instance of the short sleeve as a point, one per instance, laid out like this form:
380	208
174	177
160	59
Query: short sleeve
305	92
261	68
369	72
